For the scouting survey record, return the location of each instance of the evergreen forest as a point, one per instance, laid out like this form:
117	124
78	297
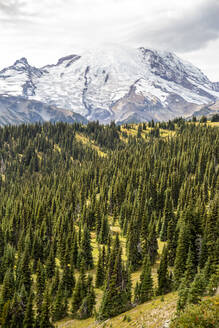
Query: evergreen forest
85	209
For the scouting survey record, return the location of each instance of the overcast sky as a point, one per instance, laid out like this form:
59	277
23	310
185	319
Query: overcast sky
45	30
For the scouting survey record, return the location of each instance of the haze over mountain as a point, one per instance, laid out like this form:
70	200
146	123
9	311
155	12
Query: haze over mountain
114	83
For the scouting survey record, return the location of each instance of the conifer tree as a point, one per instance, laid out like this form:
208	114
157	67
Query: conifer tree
6	315
171	240
29	313
190	267
86	248
182	294
104	231
163	276
197	289
116	296
55	283
50	264
74	253
8	288
137	293
68	280
146	282
23	271
212	226
2	244
40	288
181	254
133	243
167	216
59	308
100	271
17	312
44	321
80	291
88	302
204	252
152	245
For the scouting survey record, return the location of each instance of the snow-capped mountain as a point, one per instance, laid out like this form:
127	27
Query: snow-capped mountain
114	83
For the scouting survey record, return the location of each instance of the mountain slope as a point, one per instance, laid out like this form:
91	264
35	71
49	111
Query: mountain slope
116	83
18	110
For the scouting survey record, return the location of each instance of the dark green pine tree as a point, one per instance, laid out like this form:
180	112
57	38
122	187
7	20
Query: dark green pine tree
86	249
204	251
17	310
40	288
88	302
68	280
191	268
182	294
80	291
50	264
212	230
60	305
197	289
116	296
146	282
29	313
163	275
100	275
139	131
6	315
55	283
137	293
152	245
102	237
44	321
167	216
98	220
171	241
23	271
181	254
74	252
133	243
8	287
128	283
2	247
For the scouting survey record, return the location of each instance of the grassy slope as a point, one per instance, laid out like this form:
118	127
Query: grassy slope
151	314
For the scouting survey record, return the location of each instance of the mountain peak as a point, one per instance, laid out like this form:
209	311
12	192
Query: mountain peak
21	61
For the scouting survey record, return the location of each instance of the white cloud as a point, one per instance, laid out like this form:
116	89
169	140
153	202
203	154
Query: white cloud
45	30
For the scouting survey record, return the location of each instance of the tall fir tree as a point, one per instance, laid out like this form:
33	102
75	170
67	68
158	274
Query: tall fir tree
145	288
116	295
44	321
29	320
163	275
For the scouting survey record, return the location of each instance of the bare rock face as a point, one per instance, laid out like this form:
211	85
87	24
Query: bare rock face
120	84
216	86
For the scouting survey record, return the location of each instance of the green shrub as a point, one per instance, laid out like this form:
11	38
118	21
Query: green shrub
203	315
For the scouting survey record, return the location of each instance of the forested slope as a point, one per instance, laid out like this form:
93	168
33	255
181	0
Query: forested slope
86	210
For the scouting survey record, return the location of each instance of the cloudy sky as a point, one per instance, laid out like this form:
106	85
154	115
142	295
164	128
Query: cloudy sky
45	30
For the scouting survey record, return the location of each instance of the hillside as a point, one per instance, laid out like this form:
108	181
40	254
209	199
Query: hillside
107	226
